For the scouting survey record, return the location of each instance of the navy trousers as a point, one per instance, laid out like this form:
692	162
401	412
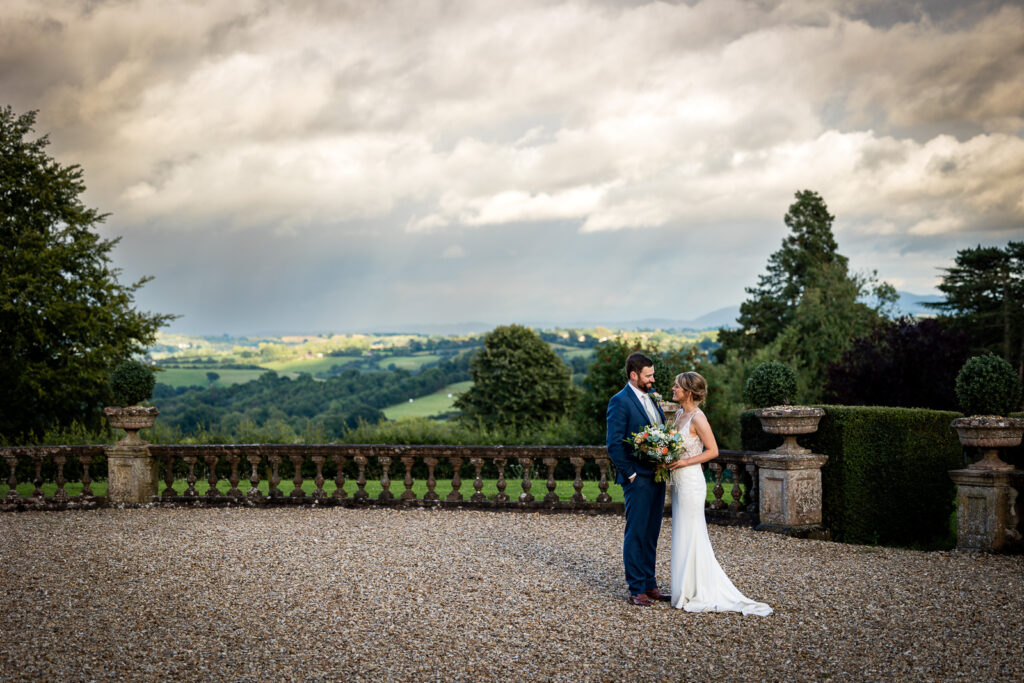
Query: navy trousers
645	505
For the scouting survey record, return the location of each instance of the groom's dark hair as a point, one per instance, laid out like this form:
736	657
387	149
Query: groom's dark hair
637	362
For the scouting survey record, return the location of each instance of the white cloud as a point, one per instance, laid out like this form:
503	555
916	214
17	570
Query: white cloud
305	120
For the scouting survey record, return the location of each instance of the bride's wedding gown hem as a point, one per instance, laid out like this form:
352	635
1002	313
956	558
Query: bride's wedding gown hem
698	582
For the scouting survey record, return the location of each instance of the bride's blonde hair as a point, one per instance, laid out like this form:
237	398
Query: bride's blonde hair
695	384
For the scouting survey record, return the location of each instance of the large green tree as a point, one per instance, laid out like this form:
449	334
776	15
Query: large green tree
807	308
65	320
518	381
791	270
985	298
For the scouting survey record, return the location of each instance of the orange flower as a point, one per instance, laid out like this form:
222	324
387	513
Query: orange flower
664	450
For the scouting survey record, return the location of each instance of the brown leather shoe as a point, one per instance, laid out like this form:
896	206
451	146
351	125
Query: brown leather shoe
640	599
655	594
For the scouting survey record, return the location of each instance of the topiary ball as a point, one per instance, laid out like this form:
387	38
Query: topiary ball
988	385
131	383
770	384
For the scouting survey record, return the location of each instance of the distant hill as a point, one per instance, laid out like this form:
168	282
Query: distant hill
913	304
907	304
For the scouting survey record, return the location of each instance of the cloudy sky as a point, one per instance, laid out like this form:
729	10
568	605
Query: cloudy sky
335	166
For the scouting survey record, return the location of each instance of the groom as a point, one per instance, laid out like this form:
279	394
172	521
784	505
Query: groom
629	411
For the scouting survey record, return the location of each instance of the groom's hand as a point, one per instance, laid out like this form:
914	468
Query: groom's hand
632	478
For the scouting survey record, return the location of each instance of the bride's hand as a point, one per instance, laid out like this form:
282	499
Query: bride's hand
677	464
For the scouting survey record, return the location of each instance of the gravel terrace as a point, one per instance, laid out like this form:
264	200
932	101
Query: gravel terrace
370	594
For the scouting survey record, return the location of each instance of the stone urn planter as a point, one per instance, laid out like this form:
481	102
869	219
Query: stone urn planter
131	419
989	433
789	422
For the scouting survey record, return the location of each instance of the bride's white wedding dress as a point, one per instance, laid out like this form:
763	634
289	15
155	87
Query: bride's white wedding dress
698	582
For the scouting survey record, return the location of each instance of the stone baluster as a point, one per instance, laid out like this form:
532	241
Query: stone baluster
551	496
233	459
456	493
190	478
408	493
602	485
37	480
736	491
502	497
211	475
254	456
339	477
752	484
86	460
431	482
12	479
169	491
385	478
526	496
577	483
275	476
361	493
318	459
59	458
297	458
478	482
718	491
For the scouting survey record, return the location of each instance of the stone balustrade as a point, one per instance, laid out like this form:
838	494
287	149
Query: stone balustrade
59	458
347	466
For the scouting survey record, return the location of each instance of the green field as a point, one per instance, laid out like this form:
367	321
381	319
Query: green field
434	404
572	351
187	377
412	363
308	365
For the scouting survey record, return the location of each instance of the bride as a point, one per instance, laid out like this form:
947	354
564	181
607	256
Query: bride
698	582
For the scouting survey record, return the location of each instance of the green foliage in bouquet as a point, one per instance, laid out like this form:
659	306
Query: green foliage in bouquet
131	383
770	384
988	385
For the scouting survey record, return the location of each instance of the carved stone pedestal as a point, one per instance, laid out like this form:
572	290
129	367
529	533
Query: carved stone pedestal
132	474
789	495
986	518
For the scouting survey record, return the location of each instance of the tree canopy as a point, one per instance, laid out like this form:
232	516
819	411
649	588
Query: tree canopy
518	381
985	298
65	320
906	362
792	269
807	308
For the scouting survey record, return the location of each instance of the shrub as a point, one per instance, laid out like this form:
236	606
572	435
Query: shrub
131	383
518	381
770	384
887	476
908	363
988	385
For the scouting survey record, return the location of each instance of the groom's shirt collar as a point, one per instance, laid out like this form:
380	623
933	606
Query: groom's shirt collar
639	394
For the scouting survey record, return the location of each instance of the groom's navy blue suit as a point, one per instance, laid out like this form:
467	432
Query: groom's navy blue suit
645	499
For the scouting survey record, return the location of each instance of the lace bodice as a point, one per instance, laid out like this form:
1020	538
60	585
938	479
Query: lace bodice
691	442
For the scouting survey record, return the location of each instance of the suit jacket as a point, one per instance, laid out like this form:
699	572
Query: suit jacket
626	416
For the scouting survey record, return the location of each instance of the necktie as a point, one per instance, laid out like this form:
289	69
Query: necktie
652	414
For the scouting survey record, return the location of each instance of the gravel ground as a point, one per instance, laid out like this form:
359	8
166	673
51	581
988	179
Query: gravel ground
370	594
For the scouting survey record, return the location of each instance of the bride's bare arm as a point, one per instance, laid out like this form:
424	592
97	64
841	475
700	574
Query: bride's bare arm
707	437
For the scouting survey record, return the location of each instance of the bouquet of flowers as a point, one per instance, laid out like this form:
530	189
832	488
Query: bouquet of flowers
659	445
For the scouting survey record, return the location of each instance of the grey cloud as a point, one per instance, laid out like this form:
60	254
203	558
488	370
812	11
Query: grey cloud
346	146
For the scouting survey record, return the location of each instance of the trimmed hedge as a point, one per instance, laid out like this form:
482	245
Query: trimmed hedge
887	476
